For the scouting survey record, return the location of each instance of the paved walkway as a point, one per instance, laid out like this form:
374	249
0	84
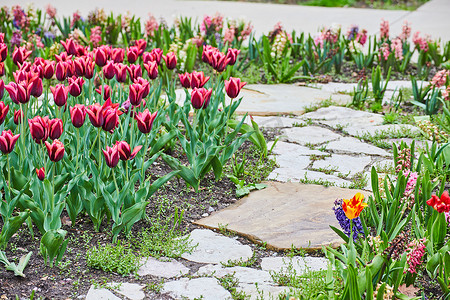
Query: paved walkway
431	18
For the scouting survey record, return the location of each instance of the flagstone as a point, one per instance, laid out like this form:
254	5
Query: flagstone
300	265
308	135
294	175
345	164
352	145
100	294
243	274
276	121
215	248
204	288
132	291
287	214
160	268
387	128
293	150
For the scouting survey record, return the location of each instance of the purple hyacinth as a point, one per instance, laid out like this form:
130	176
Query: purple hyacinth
344	222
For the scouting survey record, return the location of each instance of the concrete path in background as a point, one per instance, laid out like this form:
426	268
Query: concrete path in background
431	18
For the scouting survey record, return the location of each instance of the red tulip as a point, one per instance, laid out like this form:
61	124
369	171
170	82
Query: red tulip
35	86
70	46
233	87
219	61
3	112
111	119
152	69
111	156
157	55
185	80
135	95
135	72
18	116
200	98
70	68
55	128
145	120
101	55
95	113
440	204
89	67
124	150
60	93
79	66
121	72
55	150
117	55
48	69
207	54
20	54
81	51
63	57
78	115
2	88
39	128
145	85
109	70
37	69
141	45
7	141
198	79
3	52
132	54
171	60
19	93
106	91
21	75
40	173
232	55
2	69
61	70
76	85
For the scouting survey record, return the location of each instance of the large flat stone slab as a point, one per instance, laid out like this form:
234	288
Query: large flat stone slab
300	265
243	274
275	121
352	145
100	294
207	288
168	268
213	248
387	128
295	175
309	135
344	164
292	150
266	291
132	291
284	215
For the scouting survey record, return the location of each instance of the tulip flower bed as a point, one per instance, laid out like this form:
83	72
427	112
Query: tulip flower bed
76	181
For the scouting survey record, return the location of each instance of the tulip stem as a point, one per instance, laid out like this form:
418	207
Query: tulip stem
99	146
78	146
143	158
22	131
53	186
9	176
115	181
126	169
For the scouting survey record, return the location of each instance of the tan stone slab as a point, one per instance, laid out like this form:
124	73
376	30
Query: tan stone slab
284	214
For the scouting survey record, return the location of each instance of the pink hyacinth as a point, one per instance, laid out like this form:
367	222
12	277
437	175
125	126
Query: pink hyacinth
440	78
419	42
414	255
51	11
397	48
384	29
96	36
406	31
228	36
75	18
151	25
246	31
446	93
385	51
408	195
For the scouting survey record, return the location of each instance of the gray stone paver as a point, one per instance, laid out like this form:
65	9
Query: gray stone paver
293	175
243	274
100	294
344	164
352	145
285	148
162	268
299	264
309	135
373	130
132	291
208	288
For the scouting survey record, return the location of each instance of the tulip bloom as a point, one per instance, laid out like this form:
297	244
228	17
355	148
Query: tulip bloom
353	207
3	52
55	150
132	54
152	69
2	88
120	71
219	61
48	69
55	128
61	70
106	91
232	55
95	113
101	55
3	112
78	115
141	45
200	98
111	119
440	204
2	69
7	141
75	85
185	80
39	128
35	86
40	173
70	46
145	85
171	60
125	150
233	87
117	55
136	94
109	70
135	71
111	156
155	55
19	93
89	67
60	93
18	116
198	79
20	54
145	120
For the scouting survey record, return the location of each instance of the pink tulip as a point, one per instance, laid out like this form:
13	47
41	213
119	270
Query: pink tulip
233	87
7	141
200	98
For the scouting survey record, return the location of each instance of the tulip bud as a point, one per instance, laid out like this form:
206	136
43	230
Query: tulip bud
35	86
60	94
2	88
75	86
48	69
2	69
185	80
198	79
111	119
232	55
38	128
135	95
145	85
40	173
121	72
132	54
55	128
200	98
117	55
61	70
20	54
109	70
106	91
3	52
95	113
101	55
152	69
55	150
7	141
18	116
70	46
171	60
135	72
3	111
233	87
111	156
141	45
78	115
89	67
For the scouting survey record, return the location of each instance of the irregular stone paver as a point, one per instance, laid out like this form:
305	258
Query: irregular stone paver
373	130
243	274
208	288
100	294
167	269
291	149
295	175
275	122
213	248
408	141
299	264
308	135
352	145
293	160
260	99
132	291
266	291
344	164
287	214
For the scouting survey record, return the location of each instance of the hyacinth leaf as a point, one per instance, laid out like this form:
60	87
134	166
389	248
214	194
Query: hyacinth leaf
368	283
340	233
380	291
398	272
